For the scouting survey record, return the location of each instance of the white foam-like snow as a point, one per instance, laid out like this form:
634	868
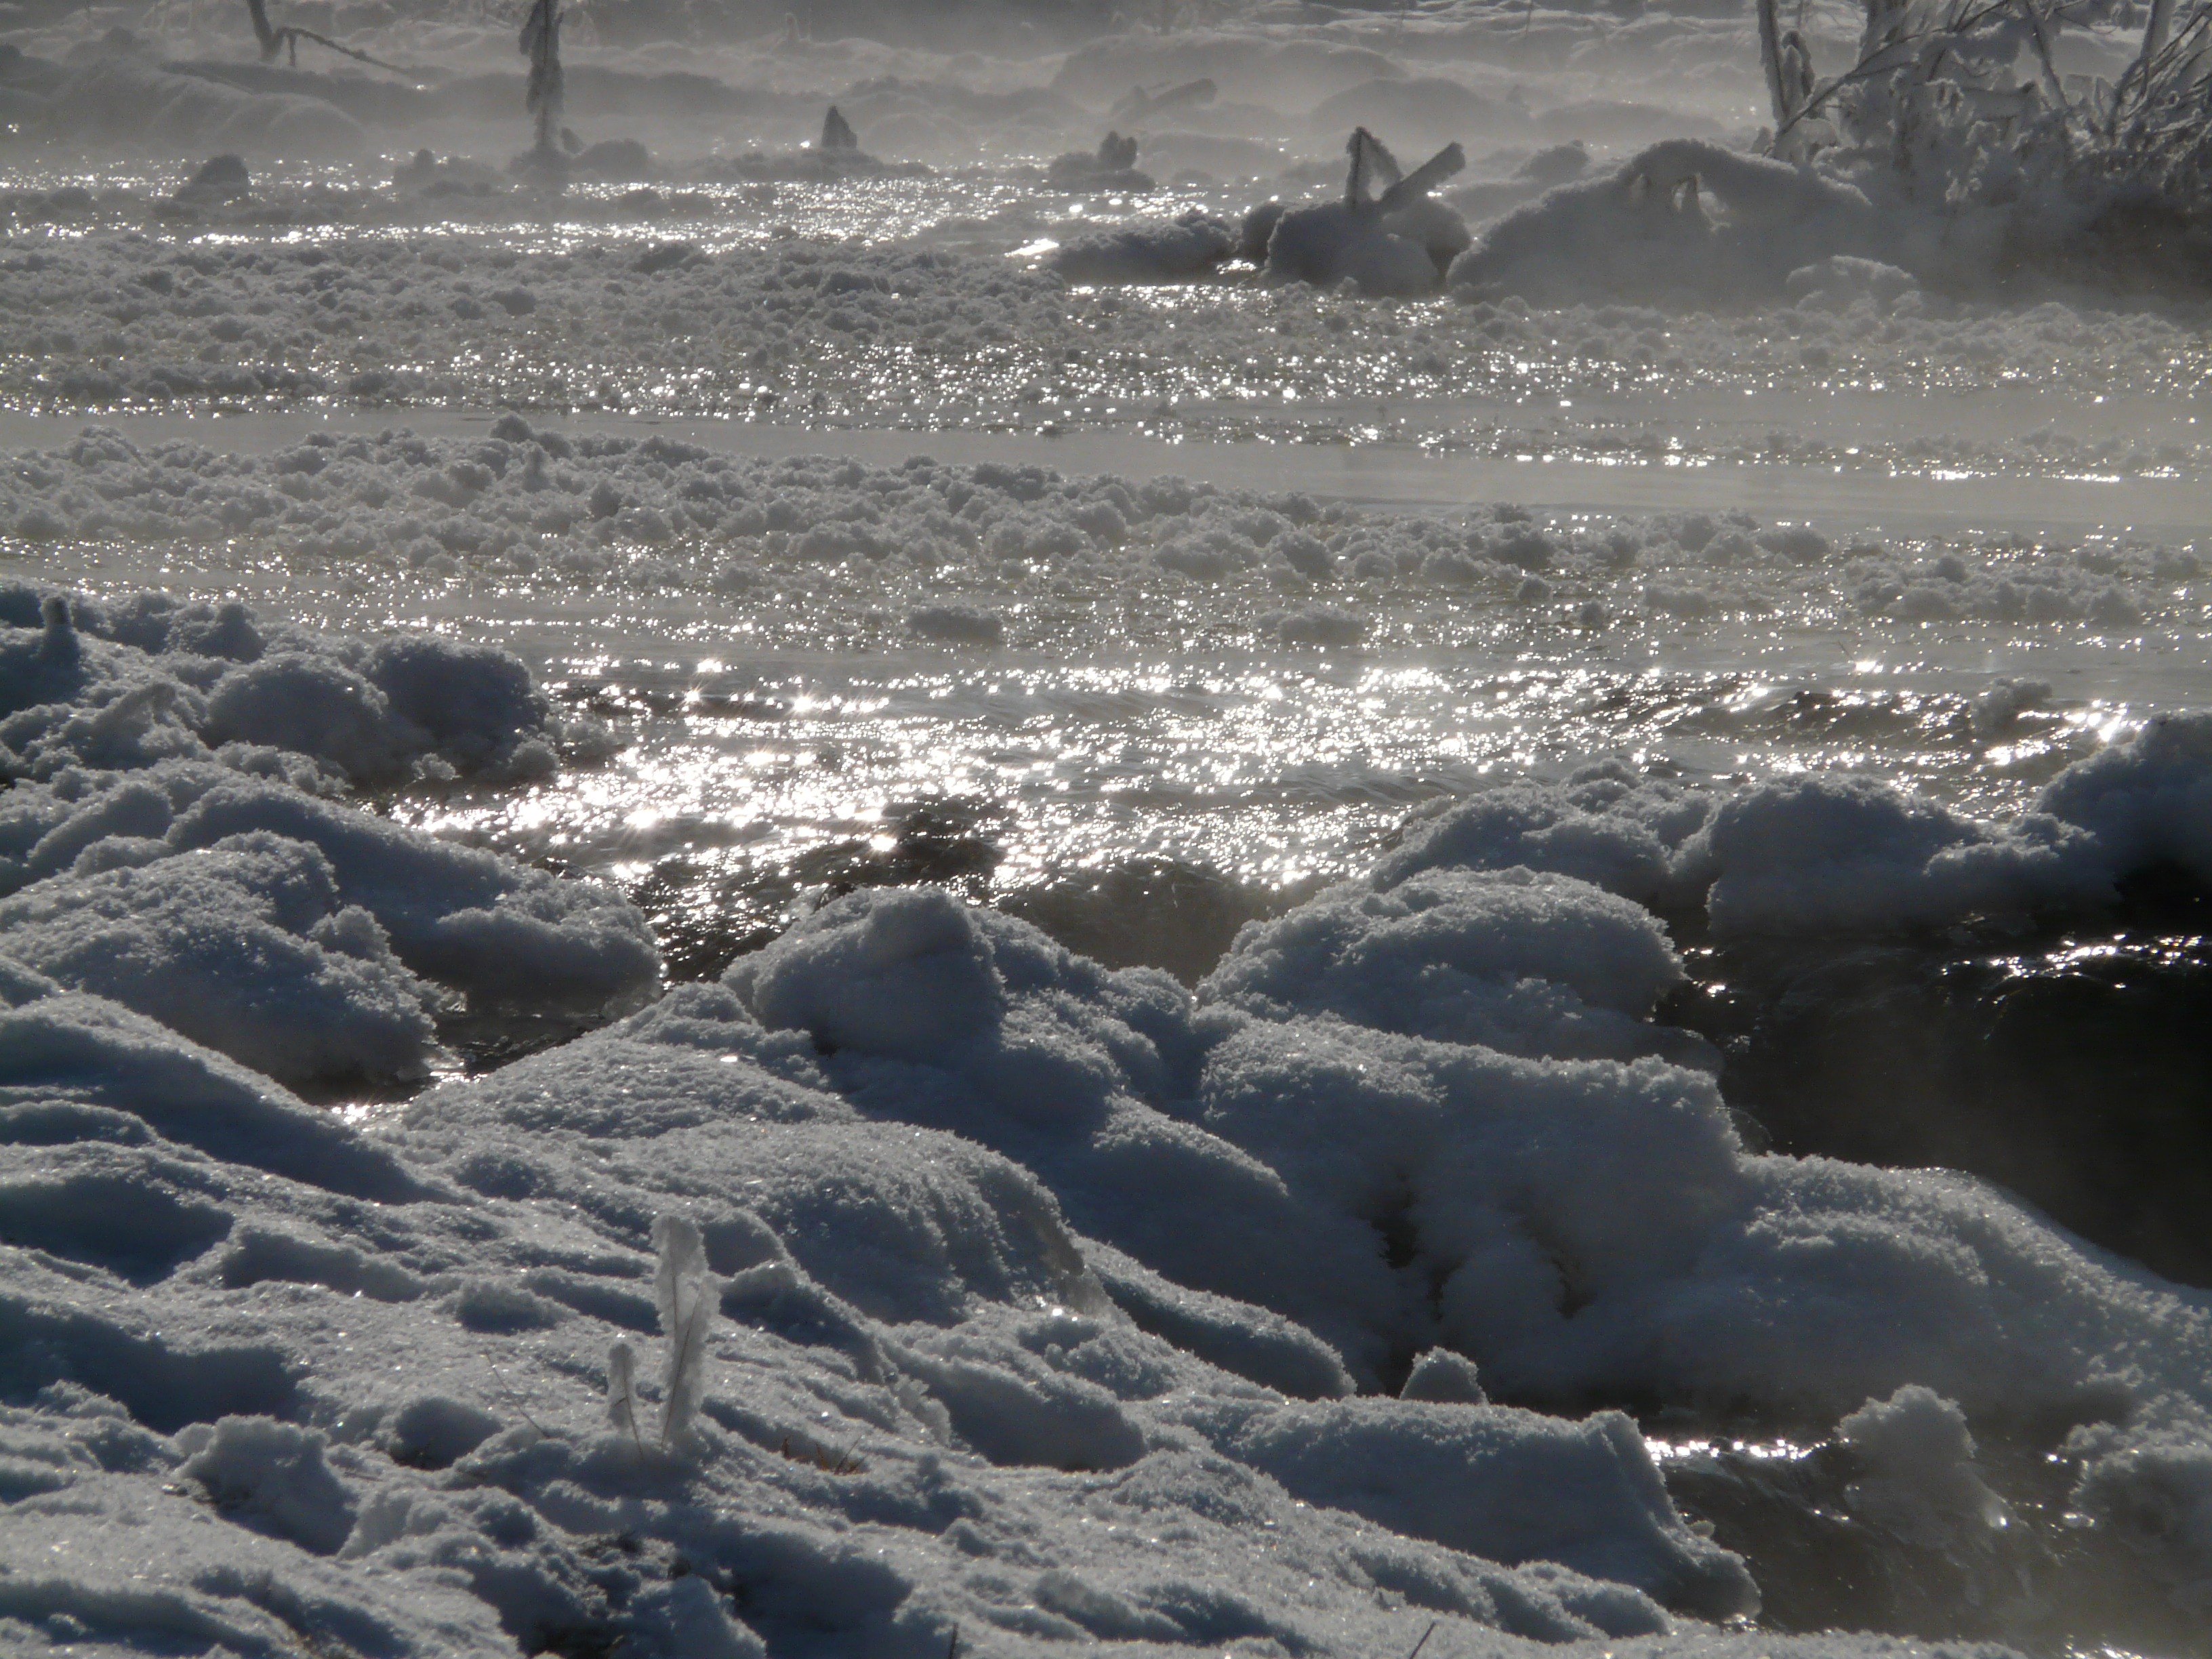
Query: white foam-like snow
1512	960
245	946
2148	799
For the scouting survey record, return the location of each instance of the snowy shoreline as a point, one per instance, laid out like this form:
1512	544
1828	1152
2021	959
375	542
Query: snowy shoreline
1329	1162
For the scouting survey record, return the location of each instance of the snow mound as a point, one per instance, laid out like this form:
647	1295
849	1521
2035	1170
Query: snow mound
1645	233
505	937
172	841
148	678
120	100
1178	251
1477	1479
1918	1469
1604	824
1837	854
1511	960
244	946
2147	798
1847	854
87	1070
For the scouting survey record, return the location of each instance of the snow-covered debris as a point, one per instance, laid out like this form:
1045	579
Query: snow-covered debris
1644	232
1111	166
683	1293
545	95
1178	251
1388	236
220	179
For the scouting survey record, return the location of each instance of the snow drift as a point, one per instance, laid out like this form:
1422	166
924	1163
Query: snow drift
176	840
1008	1264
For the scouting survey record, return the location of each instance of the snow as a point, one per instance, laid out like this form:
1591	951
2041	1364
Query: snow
118	100
221	889
1511	960
1825	853
949	332
161	680
1853	854
889	1144
531	506
1918	1461
2145	797
244	946
921	1285
1643	233
1187	247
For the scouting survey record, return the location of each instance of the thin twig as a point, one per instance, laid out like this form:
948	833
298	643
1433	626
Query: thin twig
513	1398
680	1369
1423	1642
292	36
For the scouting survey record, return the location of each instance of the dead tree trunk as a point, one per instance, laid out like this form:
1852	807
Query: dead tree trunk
1770	58
540	45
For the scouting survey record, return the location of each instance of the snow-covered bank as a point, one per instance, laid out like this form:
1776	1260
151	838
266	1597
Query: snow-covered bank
175	838
1044	1290
943	89
621	1042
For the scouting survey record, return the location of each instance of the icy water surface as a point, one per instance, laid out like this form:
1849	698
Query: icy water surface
759	713
930	305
